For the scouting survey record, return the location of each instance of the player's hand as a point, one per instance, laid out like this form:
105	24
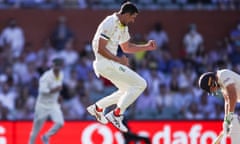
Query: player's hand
152	45
124	60
227	123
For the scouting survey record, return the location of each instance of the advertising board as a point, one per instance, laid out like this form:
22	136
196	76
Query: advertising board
91	132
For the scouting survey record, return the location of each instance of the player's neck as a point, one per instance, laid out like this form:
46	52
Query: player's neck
120	17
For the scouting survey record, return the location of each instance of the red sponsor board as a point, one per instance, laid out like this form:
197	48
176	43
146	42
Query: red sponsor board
85	132
6	133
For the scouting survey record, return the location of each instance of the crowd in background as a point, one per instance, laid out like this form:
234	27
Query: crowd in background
172	91
111	4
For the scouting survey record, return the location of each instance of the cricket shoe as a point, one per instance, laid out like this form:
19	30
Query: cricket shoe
45	139
98	115
116	121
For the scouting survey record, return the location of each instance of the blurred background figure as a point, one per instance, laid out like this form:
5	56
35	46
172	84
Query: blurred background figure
158	34
12	38
192	41
235	35
61	34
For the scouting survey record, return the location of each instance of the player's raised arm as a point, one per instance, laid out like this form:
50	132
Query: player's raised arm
129	47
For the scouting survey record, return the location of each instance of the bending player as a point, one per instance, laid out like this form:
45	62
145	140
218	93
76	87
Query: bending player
227	83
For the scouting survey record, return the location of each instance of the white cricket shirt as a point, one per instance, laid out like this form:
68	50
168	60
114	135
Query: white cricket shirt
226	77
112	30
47	82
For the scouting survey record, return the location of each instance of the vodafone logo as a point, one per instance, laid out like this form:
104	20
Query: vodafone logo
99	134
159	132
193	136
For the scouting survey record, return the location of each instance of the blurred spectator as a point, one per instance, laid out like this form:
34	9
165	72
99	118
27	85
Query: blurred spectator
174	83
61	34
83	68
72	80
183	98
93	84
69	54
164	98
75	106
192	41
205	105
13	35
4	112
10	76
7	99
165	103
45	52
30	53
234	57
82	4
189	74
159	35
20	67
193	112
24	104
33	87
146	105
218	112
155	78
235	35
226	4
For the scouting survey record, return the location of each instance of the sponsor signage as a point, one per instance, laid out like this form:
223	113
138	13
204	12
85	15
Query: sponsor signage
91	132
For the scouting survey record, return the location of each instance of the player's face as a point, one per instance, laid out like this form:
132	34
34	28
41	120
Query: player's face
130	18
57	67
214	87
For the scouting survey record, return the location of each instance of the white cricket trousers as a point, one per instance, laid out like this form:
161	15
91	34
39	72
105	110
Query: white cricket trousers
235	130
130	85
40	116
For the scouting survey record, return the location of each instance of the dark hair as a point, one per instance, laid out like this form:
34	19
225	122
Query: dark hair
128	7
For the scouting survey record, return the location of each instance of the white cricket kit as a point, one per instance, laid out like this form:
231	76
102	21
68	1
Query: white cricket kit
226	77
129	83
112	30
47	104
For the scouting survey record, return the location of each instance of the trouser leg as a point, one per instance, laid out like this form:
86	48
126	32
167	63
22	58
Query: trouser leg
235	130
125	79
110	100
57	117
37	125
